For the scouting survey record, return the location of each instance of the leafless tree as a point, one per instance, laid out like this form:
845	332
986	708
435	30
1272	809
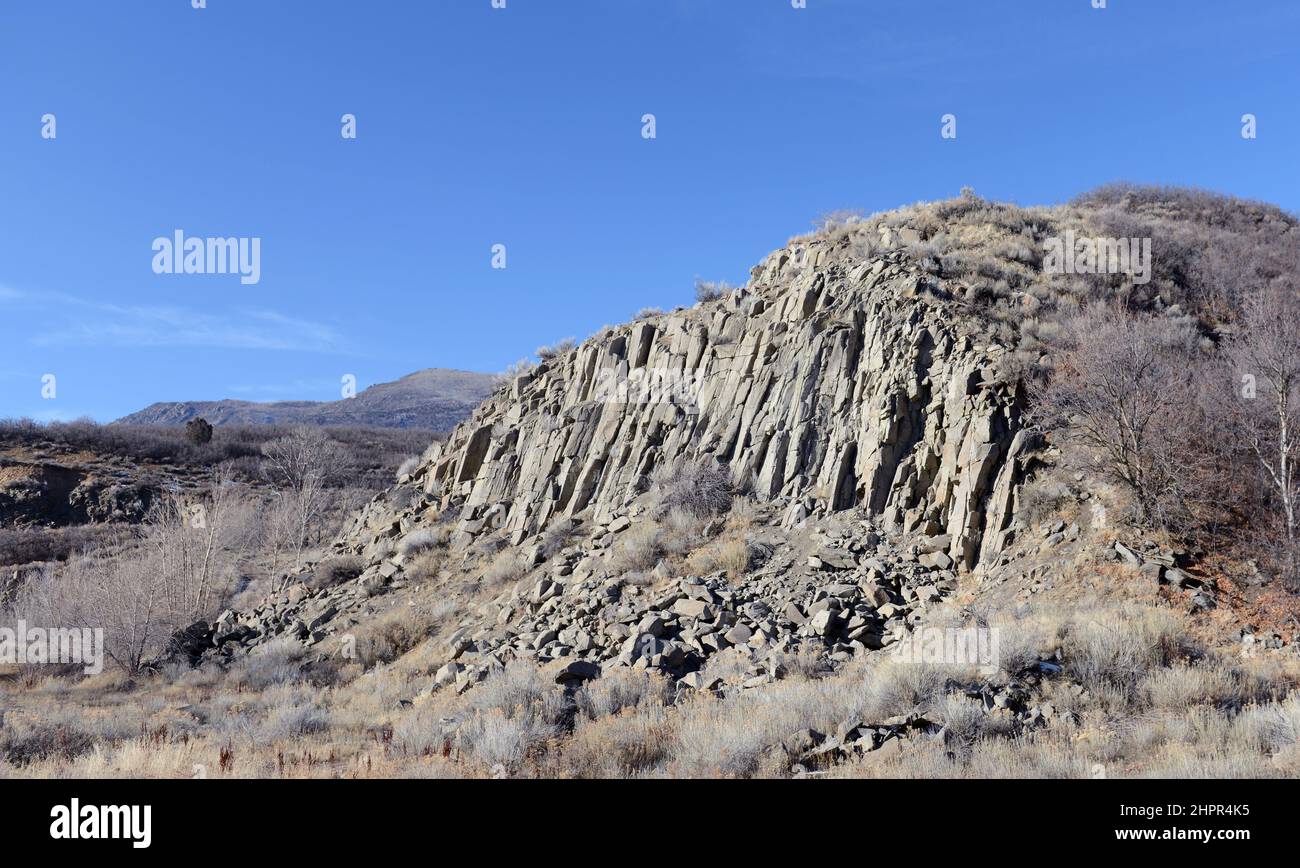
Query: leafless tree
140	596
195	538
1126	389
302	464
301	455
1266	356
293	516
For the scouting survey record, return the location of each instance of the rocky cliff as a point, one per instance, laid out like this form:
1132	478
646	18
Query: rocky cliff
830	381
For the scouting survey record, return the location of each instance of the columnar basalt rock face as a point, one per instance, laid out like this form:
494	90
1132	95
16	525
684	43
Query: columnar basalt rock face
829	382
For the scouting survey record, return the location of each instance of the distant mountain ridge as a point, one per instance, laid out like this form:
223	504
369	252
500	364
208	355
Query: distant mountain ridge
434	398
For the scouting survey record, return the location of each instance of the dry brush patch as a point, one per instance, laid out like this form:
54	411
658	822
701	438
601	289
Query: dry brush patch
1133	699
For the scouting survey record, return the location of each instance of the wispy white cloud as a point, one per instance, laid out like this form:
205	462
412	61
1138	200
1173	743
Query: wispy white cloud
73	321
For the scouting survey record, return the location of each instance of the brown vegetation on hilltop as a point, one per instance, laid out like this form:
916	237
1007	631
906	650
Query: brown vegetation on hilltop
371	453
1186	387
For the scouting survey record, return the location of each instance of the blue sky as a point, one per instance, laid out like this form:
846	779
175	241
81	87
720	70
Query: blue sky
478	126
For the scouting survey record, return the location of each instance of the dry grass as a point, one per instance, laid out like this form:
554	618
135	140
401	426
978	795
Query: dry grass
506	568
673	538
335	571
426	565
1151	705
732	554
732	551
385	638
425	539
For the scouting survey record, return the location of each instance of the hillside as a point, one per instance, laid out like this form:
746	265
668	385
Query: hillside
435	399
67	488
834	522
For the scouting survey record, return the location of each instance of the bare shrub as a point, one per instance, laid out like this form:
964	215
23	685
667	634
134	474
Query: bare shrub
898	687
513	688
1117	654
623	688
505	568
700	486
681	533
302	464
56	742
963	719
335	571
385	638
557	536
1181	686
276	662
734	550
425	538
732	553
293	722
1216	251
1023	643
514	710
1041	498
711	290
410	465
559	348
617	746
184	564
638	548
1126	392
721	739
293	522
735	555
641	547
732	737
1272	727
837	219
502	742
25	545
426	564
518	369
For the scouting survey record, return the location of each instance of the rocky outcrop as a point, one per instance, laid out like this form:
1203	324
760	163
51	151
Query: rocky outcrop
853	398
38	493
830	382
